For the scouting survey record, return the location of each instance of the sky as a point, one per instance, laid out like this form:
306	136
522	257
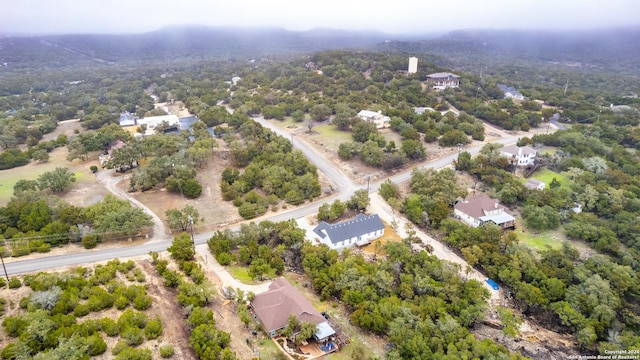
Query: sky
390	16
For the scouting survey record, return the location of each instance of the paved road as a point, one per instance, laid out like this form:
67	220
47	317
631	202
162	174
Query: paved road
344	188
109	181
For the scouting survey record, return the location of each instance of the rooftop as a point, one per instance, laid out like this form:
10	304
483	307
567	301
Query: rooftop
442	75
514	150
533	183
362	224
478	206
274	306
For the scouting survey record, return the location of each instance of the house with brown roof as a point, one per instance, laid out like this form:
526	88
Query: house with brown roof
480	209
273	307
519	156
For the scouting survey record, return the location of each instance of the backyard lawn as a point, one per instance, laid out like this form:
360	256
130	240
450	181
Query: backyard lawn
241	273
547	176
543	240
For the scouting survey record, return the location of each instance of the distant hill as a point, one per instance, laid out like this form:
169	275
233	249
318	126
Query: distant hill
614	49
176	43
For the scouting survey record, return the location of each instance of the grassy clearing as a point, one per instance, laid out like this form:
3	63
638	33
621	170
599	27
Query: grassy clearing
541	241
9	177
287	123
241	273
331	132
547	176
31	171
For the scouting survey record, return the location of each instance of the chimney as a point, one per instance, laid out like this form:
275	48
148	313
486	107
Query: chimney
497	204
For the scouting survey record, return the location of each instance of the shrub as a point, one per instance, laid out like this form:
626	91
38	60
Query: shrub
153	329
9	351
133	335
90	241
224	258
81	310
118	347
192	188
93	168
109	326
129	353
20	250
140	277
142	302
14	283
95	345
121	302
44	248
131	318
166	351
293	197
3	282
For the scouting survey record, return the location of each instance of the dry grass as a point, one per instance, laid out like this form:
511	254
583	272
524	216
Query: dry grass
376	247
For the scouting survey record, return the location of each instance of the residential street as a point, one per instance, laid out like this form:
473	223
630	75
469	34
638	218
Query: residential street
343	186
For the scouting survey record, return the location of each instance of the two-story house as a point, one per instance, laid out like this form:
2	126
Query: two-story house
381	121
479	209
519	156
443	80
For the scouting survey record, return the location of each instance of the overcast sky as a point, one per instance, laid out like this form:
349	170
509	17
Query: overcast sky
391	16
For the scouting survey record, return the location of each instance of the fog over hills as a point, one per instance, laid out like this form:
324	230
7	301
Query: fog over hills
614	48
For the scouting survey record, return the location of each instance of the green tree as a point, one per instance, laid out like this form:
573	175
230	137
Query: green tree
510	322
541	217
307	330
413	149
463	162
359	201
320	112
57	180
182	219
362	131
23	185
40	155
182	248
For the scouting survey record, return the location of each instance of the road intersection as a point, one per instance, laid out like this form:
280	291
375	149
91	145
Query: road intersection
343	188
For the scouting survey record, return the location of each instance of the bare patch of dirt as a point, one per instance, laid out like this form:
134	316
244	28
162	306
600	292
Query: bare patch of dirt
534	342
212	208
226	316
165	306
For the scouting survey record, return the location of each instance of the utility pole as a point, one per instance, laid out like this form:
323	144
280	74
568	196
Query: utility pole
4	267
190	218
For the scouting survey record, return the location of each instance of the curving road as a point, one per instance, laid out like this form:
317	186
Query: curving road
344	188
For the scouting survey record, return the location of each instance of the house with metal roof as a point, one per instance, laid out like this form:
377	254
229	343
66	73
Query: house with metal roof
360	231
273	307
443	80
480	209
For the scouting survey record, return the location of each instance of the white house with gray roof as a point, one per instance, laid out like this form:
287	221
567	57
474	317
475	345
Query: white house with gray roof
519	156
360	231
